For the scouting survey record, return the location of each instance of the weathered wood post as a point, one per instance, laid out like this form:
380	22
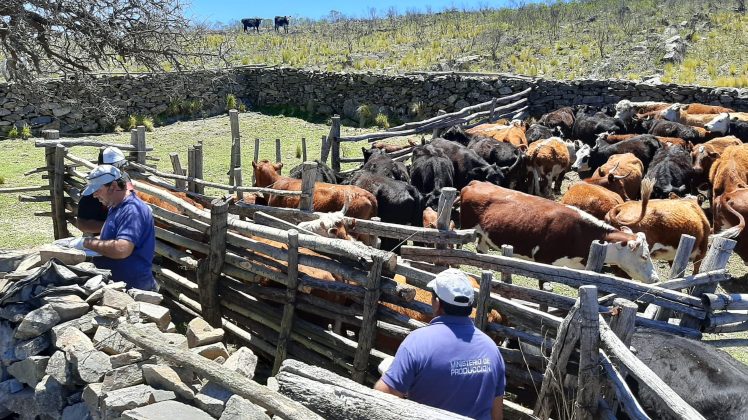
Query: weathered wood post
141	145
677	269
481	306
596	257
209	273
716	259
58	194
588	388
256	157
436	131
290	306
191	168
238	181
375	238
236	154
134	144
333	141
369	321
324	148
278	155
199	188
492	114
50	155
507	251
176	166
308	178
444	215
303	149
623	324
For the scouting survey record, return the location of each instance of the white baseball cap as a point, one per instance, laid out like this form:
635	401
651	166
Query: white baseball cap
452	286
100	176
112	156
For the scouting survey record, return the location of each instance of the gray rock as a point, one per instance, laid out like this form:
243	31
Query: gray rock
115	299
145	296
155	313
84	324
60	369
92	396
163	395
212	351
119	400
166	410
212	399
76	412
111	342
29	371
37	322
127	358
200	333
15	311
20	402
90	366
7	342
32	347
106	312
11	386
71	340
238	408
242	361
50	396
123	377
94	284
164	377
67	307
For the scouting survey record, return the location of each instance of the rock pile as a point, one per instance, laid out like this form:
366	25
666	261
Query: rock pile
62	357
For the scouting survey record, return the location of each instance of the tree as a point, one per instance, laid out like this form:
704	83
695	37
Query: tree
77	37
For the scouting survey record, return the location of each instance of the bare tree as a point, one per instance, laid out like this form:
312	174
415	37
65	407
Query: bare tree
76	37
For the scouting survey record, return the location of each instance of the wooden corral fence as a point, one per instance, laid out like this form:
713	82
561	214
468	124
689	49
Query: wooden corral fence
253	278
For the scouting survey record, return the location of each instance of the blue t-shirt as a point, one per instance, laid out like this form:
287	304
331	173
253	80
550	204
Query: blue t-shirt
451	365
131	220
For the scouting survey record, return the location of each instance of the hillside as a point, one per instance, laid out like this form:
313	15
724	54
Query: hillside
579	39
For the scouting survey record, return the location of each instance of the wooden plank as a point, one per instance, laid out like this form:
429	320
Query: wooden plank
621	390
725	318
734	301
440	115
369	322
289	308
413	233
155	342
492	110
589	353
507	251
481	315
677	269
199	174
303	149
85	142
58	194
141	151
176	166
333	141
210	273
191	169
308	178
11	190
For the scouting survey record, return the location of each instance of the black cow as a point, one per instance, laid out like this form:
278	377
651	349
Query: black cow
665	128
672	171
540	132
252	23
562	118
707	378
468	165
457	134
379	162
281	21
587	127
508	157
397	201
324	173
728	126
589	158
430	171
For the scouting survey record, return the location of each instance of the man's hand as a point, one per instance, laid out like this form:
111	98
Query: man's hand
75	243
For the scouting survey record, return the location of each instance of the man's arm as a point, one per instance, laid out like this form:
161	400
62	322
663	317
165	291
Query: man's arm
114	248
497	412
383	387
89	225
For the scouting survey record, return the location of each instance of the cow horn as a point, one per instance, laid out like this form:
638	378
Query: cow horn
621	176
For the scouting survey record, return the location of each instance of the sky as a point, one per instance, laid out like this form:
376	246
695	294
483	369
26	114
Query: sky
226	11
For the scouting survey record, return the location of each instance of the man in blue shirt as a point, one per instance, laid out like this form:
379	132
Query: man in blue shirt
449	364
91	213
128	237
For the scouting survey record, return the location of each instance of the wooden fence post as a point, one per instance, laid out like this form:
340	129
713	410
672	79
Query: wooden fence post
677	269
716	259
199	188
324	149
256	157
49	156
303	149
308	178
60	223
507	251
481	306
596	257
236	155
436	131
491	115
589	355
191	167
176	166
288	309
444	215
134	144
278	155
369	321
238	183
209	273
141	145
333	142
623	324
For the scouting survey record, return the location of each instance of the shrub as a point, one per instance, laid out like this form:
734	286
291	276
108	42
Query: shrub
194	106
2	180
118	129
230	101
147	122
132	122
242	107
13	133
298	151
26	132
382	121
365	114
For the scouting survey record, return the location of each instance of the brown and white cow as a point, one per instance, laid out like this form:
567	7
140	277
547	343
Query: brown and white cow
730	211
663	222
549	232
594	199
622	174
677	113
704	155
514	133
547	162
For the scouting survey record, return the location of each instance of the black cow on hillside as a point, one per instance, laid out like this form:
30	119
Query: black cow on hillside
430	171
671	170
281	21
587	127
250	23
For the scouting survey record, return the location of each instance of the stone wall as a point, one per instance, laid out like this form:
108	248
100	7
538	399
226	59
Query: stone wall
401	97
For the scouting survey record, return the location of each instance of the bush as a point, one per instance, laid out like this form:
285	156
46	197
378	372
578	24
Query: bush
26	132
298	151
382	121
13	133
132	122
118	129
147	122
365	114
231	101
242	107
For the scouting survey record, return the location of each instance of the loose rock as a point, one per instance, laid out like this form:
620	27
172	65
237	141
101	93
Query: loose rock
29	371
37	322
200	333
166	410
238	408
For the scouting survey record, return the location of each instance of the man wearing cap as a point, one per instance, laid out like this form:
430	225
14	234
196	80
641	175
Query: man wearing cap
449	364
91	212
128	238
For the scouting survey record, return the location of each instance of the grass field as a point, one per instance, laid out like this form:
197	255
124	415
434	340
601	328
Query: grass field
20	229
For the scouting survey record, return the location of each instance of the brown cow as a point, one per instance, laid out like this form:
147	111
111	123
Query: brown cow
621	174
547	163
663	222
594	199
513	134
616	138
430	218
730	211
390	148
730	171
704	155
627	110
697	108
563	118
548	232
677	113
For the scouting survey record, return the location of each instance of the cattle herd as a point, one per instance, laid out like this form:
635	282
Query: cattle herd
646	169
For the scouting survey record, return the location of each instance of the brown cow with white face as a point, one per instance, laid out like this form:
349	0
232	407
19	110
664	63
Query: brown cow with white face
704	155
547	162
549	232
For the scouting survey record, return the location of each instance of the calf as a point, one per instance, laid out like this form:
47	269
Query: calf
730	211
677	113
672	171
663	222
468	166
547	162
331	225
725	125
514	133
548	232
507	157
430	171
621	174
540	132
379	162
562	119
666	128
250	23
324	173
587	127
589	158
594	199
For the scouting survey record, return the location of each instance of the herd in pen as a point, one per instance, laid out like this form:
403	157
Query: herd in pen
649	171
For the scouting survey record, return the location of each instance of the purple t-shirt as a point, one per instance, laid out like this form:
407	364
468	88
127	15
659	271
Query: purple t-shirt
451	365
131	220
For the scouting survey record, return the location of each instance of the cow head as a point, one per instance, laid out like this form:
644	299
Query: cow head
720	124
491	173
625	110
702	158
265	172
671	113
582	162
631	254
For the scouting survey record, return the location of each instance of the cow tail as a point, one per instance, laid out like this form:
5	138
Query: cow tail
646	192
734	231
